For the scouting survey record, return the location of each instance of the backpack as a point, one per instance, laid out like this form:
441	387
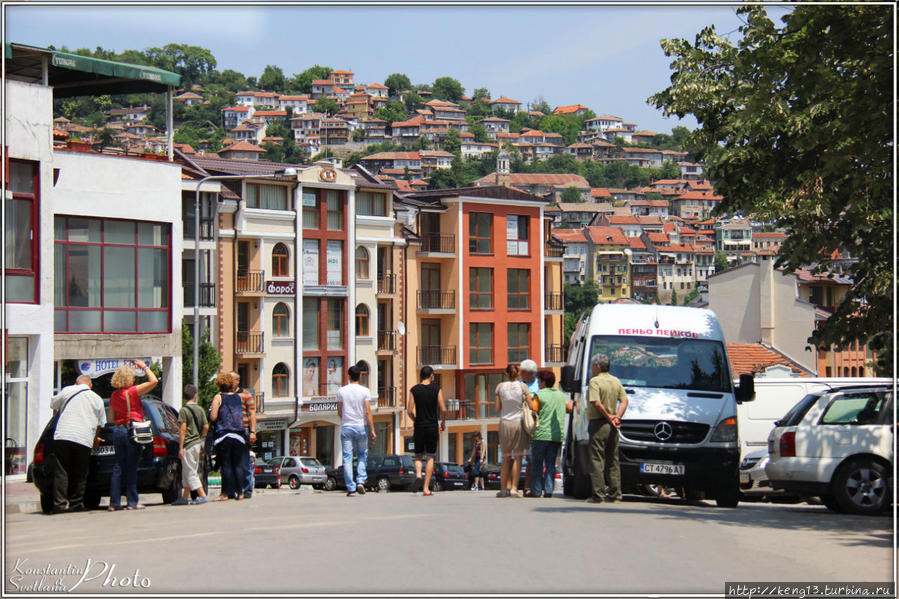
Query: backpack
230	417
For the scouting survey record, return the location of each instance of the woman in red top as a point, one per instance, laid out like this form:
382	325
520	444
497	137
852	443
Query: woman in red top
127	452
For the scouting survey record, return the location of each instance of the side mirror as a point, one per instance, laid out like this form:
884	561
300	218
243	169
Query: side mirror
746	390
568	382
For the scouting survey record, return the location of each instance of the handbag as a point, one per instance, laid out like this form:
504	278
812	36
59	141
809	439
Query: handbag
529	418
140	431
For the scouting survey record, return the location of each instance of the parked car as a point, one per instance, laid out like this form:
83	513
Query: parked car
294	470
491	474
391	472
334	475
268	474
159	469
839	445
449	476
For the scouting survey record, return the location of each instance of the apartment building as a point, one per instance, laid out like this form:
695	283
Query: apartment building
609	264
477	300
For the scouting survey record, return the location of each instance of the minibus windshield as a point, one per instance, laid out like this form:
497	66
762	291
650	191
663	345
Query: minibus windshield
697	364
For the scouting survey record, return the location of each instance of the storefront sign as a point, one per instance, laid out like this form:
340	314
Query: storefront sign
271	424
320	406
310	262
95	368
281	288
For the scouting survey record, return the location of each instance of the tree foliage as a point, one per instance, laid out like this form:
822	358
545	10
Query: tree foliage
328	106
447	88
272	79
302	82
796	129
572	195
397	82
209	362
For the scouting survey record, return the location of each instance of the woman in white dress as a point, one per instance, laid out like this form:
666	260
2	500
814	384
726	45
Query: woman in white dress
513	440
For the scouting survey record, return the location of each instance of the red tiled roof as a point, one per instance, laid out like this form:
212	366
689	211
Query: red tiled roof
322	82
645	133
622	220
301	97
683	248
699	195
377	86
607	236
636	243
504	100
658	238
243	146
569	109
265	113
750	358
600	192
569	235
236	109
393	156
771	235
606	117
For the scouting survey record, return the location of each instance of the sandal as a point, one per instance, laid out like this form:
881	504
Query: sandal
136	507
427	494
220	498
113	508
527	492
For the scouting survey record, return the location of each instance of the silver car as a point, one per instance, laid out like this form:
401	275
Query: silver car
301	470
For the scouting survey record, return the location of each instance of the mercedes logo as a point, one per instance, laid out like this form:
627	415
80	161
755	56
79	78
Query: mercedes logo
663	431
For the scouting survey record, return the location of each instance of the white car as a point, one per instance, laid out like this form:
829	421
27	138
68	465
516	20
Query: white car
838	444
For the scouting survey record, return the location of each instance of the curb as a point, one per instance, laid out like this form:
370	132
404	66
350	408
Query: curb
23	508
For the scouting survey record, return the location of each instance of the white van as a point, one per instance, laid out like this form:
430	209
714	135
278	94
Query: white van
680	428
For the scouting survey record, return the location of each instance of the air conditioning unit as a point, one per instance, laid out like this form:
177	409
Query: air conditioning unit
406	218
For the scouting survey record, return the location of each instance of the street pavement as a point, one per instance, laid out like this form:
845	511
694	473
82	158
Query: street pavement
306	541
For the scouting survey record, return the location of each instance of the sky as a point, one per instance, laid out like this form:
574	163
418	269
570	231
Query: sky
606	57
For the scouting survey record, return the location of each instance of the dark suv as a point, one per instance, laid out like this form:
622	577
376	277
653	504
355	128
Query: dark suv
159	469
383	473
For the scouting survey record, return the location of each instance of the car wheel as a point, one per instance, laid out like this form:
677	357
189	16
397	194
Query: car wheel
435	486
91	501
173	491
46	503
330	484
860	487
728	496
830	502
383	485
293	481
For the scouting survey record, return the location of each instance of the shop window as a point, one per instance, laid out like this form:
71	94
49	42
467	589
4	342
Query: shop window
310	262
362	320
311	311
20	233
111	275
281	320
280	261
335	263
334	375
365	375
310	210
310	377
362	263
280	380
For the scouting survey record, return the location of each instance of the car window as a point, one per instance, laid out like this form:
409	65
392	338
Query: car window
162	416
390	462
408	462
853	408
273	462
310	462
289	463
455	469
797	412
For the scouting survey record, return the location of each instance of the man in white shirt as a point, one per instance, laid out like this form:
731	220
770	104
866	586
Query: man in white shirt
77	430
354	409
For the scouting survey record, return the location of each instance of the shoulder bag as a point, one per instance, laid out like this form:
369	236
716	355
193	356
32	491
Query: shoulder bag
140	431
529	419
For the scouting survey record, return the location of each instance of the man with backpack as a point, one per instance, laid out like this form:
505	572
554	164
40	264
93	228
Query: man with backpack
193	429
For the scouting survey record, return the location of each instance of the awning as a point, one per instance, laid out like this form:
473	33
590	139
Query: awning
75	75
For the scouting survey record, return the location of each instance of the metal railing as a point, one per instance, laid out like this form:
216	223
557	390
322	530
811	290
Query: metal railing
386	340
207	228
556	353
207	295
387	283
554	301
552	251
249	342
436	300
436	242
436	354
250	281
387	397
260	402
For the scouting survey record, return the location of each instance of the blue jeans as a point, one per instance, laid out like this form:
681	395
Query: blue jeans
354	437
251	479
127	457
543	453
230	453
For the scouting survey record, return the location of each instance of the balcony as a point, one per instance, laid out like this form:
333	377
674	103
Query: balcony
553	252
468	409
250	282
556	354
207	228
387	397
433	355
249	343
437	302
260	401
207	295
438	245
554	302
387	284
387	341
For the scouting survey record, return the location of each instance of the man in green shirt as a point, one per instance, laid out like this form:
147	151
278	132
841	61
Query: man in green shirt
606	404
194	427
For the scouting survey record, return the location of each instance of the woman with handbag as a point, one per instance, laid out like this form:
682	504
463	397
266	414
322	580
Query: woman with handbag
512	398
127	413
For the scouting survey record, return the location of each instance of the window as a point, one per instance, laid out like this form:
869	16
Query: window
516	235
481	342
519	332
311	312
364	376
310	210
20	233
334	257
280	261
361	263
310	262
335	211
519	280
480	282
280	380
281	320
369	203
479	230
268	197
111	275
362	320
335	324
854	408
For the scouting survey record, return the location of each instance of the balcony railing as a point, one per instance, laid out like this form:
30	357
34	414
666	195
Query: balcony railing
554	301
436	300
250	281
207	295
249	342
467	409
260	402
556	353
207	230
386	340
438	243
436	354
387	397
552	251
387	284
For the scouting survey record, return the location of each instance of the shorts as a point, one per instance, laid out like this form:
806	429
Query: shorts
426	439
476	469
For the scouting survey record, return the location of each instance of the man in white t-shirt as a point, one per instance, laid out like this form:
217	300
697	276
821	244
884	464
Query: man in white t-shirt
354	409
76	433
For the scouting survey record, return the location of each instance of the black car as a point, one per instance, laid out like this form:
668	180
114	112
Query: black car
448	476
159	469
491	474
335	478
383	474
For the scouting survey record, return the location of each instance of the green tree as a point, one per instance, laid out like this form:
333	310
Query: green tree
670	170
105	136
578	299
412	101
478	110
326	105
209	362
231	80
452	142
479	132
795	128
393	112
674	297
397	82
447	88
567	125
721	261
572	195
302	82
442	179
272	79
358	134
481	93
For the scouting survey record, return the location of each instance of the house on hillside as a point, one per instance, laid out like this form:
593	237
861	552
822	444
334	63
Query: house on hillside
241	150
505	103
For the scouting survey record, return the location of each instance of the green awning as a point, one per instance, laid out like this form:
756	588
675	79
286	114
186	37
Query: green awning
120	70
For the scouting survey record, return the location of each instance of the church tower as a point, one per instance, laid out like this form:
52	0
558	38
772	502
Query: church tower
502	169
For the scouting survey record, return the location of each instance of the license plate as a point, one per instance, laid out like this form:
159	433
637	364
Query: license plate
651	468
744	478
104	450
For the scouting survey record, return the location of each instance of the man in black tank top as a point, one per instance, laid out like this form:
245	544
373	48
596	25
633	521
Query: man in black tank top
425	406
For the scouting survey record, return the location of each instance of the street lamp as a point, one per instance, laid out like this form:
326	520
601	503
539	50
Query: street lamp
288	172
